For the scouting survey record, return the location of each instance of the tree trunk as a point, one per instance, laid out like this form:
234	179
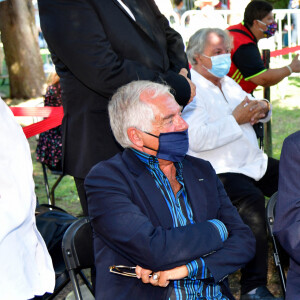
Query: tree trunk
22	53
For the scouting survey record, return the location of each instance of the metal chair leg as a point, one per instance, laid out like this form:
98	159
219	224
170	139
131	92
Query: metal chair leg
54	187
46	183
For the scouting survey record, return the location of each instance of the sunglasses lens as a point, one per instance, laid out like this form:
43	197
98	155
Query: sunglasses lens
123	270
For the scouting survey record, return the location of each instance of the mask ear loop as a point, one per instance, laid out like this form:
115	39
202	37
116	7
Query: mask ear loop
153	136
210	61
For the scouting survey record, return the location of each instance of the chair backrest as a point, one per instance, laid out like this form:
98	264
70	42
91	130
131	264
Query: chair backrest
77	245
78	253
52	222
270	211
270	216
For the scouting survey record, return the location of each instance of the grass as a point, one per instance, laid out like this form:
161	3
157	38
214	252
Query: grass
65	193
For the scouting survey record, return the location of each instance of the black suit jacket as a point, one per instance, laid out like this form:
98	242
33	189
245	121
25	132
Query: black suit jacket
133	226
97	47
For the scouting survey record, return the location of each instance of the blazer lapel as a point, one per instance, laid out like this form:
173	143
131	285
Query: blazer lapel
153	196
140	18
155	199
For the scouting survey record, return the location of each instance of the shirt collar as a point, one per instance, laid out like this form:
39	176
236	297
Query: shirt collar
152	161
197	76
149	160
250	32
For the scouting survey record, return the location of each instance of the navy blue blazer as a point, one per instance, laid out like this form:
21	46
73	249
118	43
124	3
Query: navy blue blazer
133	226
287	220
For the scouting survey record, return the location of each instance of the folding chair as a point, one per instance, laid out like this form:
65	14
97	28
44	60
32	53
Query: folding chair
77	247
259	131
52	235
270	215
51	193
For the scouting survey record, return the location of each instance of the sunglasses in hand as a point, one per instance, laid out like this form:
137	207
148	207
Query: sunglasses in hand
124	271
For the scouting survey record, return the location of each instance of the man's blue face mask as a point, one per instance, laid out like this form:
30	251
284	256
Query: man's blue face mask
173	146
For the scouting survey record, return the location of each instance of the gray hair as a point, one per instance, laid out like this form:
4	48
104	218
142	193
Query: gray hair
197	42
126	109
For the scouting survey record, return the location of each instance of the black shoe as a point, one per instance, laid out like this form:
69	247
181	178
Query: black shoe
261	293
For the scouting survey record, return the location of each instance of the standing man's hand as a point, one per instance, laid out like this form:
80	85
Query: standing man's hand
184	73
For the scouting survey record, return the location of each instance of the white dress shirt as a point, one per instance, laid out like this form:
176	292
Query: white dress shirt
214	134
25	265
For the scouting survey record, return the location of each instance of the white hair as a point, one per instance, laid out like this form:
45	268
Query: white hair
126	109
197	42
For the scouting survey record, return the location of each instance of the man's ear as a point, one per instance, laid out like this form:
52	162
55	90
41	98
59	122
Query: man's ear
135	136
198	59
256	23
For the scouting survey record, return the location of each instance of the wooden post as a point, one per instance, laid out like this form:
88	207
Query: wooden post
267	95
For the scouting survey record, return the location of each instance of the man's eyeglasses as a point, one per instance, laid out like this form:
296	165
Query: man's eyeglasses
123	270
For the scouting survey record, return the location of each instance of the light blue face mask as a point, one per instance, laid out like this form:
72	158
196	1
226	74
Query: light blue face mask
220	64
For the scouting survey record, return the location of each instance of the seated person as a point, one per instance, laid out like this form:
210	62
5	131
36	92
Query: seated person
26	267
179	7
160	211
247	67
286	226
220	122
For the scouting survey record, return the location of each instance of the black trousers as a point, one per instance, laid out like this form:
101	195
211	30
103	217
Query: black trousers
247	195
79	182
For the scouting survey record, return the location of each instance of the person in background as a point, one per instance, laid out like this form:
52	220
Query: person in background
221	6
162	214
221	119
49	147
287	214
294	4
98	46
26	267
179	7
258	24
216	4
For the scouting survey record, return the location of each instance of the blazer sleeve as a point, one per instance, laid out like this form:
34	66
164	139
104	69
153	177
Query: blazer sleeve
176	53
238	249
287	217
76	35
121	224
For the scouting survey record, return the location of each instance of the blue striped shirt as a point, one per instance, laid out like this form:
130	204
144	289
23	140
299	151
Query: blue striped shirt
191	287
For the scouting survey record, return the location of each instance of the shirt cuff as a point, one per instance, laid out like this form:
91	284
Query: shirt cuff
221	228
198	270
269	114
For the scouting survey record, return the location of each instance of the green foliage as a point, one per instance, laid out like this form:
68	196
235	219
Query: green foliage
4	88
279	4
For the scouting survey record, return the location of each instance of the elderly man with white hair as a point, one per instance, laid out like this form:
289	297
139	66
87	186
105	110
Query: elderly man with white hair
220	122
157	214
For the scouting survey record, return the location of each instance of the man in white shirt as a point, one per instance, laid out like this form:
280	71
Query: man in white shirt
25	265
220	122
